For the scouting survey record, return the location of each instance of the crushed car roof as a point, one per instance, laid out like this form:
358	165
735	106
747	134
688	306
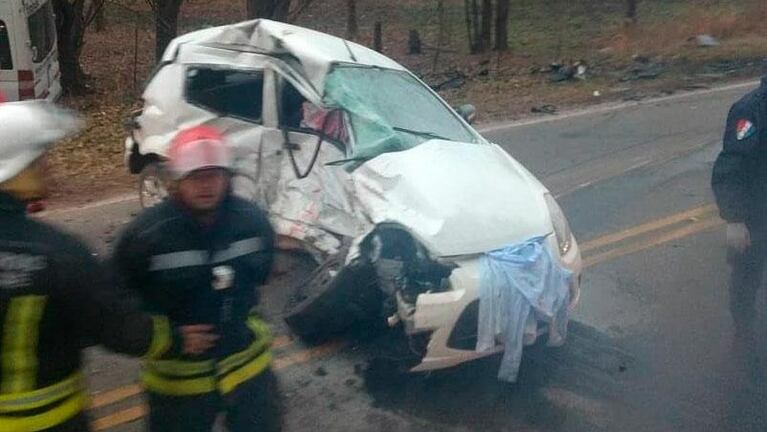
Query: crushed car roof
311	52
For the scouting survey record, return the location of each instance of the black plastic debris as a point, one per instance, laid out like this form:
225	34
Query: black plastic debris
544	109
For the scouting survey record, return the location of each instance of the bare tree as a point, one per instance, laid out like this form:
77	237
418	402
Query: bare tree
440	33
378	36
278	10
502	25
165	23
298	7
351	20
471	9
631	11
101	20
72	20
486	26
485	21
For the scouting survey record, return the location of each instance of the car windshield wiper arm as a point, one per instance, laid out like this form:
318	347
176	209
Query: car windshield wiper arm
352	159
420	133
398	129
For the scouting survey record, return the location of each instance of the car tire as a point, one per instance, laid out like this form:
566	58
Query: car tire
151	186
332	299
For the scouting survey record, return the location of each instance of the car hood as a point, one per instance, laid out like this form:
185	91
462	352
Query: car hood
456	198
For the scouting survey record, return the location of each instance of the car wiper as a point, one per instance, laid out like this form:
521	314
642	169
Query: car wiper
420	133
345	161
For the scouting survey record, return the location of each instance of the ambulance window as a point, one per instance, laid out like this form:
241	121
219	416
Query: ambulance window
227	92
6	62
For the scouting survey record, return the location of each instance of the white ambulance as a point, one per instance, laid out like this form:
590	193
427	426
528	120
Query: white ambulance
29	64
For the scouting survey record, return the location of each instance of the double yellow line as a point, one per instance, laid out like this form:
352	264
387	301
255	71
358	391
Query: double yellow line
136	412
650	235
602	249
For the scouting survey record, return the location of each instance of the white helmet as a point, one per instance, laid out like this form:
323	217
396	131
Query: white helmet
27	130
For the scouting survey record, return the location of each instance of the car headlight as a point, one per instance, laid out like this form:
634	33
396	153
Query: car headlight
560	224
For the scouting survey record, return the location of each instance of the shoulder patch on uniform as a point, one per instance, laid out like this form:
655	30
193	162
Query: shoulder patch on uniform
744	129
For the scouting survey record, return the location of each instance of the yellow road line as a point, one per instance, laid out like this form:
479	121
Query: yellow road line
308	355
120	417
115	395
652	242
282	341
689	215
136	412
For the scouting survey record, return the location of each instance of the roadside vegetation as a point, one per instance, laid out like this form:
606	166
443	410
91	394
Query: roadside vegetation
558	54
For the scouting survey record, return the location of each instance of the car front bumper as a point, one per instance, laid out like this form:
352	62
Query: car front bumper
444	313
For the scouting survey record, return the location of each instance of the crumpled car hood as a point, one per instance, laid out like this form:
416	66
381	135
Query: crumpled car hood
456	198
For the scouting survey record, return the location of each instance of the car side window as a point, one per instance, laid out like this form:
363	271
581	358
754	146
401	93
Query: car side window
6	61
227	92
300	114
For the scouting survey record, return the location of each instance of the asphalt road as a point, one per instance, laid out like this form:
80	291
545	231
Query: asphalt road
651	347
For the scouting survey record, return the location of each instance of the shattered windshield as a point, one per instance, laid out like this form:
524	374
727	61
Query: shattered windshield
391	111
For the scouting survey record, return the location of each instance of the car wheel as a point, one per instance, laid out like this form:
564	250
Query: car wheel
333	299
152	188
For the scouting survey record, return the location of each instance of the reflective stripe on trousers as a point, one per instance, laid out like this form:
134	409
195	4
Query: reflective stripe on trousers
43	408
19	349
23	407
184	378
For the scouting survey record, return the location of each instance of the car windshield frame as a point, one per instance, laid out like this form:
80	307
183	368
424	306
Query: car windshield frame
395	121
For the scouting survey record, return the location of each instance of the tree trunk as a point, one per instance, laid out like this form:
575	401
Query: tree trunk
70	29
378	37
270	9
166	24
414	42
351	20
486	26
251	9
631	11
469	33
440	34
281	10
101	19
502	25
475	26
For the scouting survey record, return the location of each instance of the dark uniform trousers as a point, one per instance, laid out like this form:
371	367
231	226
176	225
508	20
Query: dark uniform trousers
746	278
253	406
76	424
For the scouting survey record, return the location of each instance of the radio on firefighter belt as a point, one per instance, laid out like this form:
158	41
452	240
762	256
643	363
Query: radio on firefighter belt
222	281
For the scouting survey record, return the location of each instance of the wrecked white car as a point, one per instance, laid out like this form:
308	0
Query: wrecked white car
398	200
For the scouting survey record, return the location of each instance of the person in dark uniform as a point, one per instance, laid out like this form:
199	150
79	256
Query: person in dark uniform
739	182
54	297
198	257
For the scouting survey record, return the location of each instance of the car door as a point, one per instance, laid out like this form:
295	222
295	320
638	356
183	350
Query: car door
308	192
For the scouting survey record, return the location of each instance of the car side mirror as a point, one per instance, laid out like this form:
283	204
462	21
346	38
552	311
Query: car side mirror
468	112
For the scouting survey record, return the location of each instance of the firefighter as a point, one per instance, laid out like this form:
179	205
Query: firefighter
54	297
196	257
739	182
